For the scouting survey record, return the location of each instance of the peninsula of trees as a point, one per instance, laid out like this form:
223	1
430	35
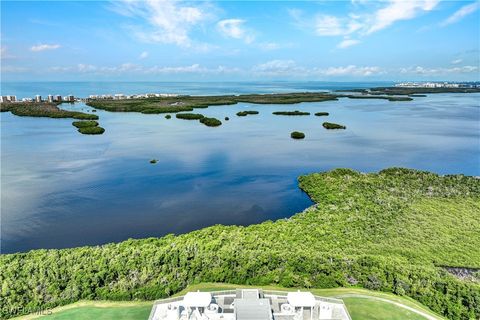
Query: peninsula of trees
399	230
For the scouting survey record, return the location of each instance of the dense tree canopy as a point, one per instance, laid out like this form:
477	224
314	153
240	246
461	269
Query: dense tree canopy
393	231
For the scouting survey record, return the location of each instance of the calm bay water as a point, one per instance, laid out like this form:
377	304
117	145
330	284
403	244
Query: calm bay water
62	189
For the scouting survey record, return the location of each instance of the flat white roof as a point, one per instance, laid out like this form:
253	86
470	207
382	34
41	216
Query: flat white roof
197	299
301	299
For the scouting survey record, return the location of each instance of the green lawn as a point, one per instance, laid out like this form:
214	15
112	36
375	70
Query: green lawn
365	307
359	308
100	313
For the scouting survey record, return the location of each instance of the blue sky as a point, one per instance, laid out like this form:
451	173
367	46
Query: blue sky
240	40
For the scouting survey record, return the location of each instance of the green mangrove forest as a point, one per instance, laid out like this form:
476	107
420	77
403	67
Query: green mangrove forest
189	103
394	231
43	109
51	110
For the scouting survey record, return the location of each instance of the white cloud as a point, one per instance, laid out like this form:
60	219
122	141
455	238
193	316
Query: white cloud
234	28
169	21
278	68
5	54
269	46
326	25
462	12
131	68
351	70
43	47
362	24
86	68
439	71
13	69
347	43
457	61
398	10
288	68
143	55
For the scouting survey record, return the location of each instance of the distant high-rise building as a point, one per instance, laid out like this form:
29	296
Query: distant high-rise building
12	98
71	98
3	99
58	98
38	98
50	98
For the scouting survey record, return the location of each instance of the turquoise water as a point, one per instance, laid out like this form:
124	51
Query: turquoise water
84	89
62	189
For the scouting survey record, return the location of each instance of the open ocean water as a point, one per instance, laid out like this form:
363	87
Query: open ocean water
63	189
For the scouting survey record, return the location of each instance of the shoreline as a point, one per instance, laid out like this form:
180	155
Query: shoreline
342	248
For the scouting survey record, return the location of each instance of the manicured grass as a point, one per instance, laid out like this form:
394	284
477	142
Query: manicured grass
84	124
91	130
297	135
102	313
360	308
189	116
245	113
291	113
365	309
330	125
211	122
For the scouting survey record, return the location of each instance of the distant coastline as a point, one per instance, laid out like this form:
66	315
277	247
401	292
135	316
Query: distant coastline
88	89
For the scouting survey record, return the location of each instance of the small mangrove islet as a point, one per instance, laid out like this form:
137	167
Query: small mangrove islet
297	135
84	124
91	130
291	113
245	113
330	125
189	116
320	114
211	122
